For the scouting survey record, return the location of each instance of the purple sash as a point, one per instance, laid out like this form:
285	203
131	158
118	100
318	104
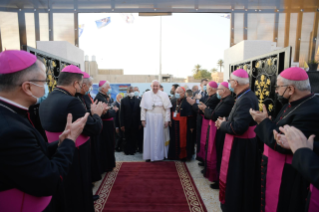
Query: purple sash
54	136
109	119
202	151
15	200
314	199
212	172
275	167
229	139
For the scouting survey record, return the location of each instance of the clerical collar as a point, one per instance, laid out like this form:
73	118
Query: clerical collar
102	94
12	103
300	100
243	92
62	90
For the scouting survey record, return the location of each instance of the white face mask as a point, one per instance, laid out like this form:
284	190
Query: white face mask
37	98
131	94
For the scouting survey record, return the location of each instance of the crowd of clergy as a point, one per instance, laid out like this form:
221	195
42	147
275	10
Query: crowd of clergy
55	146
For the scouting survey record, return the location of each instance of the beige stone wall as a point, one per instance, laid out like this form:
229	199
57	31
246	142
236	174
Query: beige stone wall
218	77
111	71
191	79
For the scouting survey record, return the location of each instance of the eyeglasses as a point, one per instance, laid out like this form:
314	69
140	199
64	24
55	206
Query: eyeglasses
37	80
230	80
44	81
220	89
278	86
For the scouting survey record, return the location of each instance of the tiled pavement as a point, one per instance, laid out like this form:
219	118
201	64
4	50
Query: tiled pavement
209	196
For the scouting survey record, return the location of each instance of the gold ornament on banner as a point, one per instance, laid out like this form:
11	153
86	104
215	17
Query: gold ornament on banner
262	91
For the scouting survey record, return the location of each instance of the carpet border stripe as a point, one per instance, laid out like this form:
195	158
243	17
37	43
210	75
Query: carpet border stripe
106	187
194	200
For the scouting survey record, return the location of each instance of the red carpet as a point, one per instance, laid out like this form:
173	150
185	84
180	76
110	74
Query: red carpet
151	187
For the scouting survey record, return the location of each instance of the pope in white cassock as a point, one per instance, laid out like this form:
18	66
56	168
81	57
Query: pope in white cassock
155	117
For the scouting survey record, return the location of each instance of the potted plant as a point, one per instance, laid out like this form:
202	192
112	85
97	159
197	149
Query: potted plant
313	65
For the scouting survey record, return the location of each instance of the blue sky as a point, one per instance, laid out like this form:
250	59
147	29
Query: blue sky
187	39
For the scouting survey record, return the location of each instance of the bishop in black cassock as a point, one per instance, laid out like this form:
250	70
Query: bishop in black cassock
53	110
215	138
239	179
107	136
283	187
32	171
85	97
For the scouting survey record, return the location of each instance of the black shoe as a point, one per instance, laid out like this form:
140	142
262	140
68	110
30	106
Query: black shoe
214	186
95	197
203	171
148	160
201	164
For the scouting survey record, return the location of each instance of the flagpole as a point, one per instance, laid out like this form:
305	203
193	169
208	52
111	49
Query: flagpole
160	53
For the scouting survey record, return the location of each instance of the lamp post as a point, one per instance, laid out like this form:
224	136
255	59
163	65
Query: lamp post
160	53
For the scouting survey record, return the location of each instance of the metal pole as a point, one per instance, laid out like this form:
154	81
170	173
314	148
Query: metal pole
160	53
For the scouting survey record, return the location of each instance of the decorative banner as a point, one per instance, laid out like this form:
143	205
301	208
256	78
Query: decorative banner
81	28
128	17
119	89
116	89
103	22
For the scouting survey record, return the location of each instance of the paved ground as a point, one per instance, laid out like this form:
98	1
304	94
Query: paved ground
209	196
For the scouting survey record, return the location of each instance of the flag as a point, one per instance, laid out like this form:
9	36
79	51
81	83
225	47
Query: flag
103	22
81	28
128	18
305	65
226	16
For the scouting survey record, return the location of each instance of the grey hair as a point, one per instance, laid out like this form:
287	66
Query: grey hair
105	84
88	80
155	81
241	81
303	85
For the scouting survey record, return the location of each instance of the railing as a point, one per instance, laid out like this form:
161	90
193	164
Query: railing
263	71
53	64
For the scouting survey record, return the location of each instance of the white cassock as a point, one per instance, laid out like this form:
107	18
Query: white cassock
155	111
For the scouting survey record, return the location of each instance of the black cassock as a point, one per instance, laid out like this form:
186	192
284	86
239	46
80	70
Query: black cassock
222	109
240	165
211	102
185	111
27	162
95	162
107	137
307	164
292	188
53	113
120	135
198	129
130	118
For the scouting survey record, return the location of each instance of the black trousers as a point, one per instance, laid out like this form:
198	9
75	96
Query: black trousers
131	137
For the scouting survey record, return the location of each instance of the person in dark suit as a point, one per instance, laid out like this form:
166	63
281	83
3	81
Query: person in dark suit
31	169
119	133
60	102
130	121
140	132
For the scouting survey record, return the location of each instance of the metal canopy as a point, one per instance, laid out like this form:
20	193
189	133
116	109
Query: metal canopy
91	6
